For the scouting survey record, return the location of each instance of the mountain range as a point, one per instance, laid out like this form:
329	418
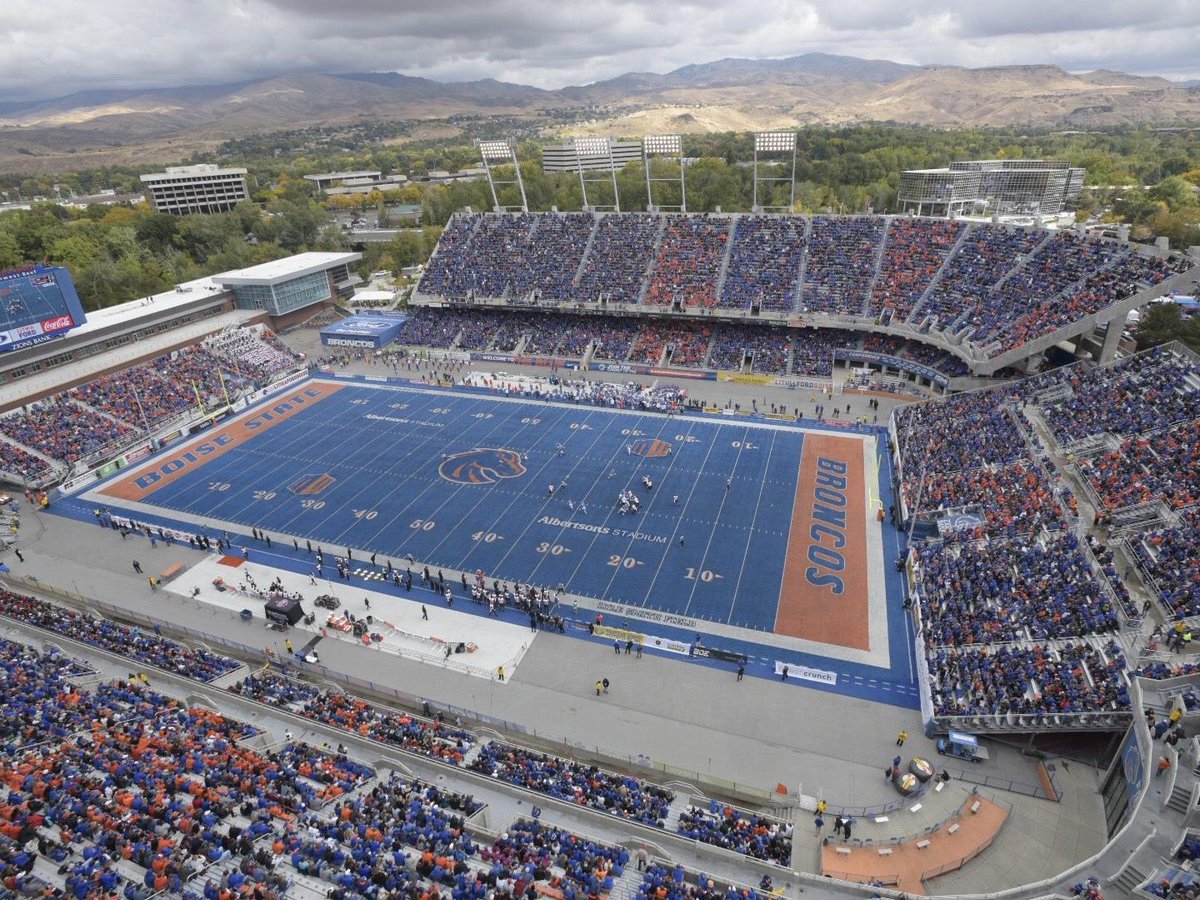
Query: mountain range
166	124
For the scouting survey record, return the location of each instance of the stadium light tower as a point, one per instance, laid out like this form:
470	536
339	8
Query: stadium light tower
502	153
775	146
594	154
664	145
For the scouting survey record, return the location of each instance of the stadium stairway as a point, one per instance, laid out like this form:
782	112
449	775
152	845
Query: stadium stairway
799	292
866	303
625	887
728	255
1126	880
1181	797
587	250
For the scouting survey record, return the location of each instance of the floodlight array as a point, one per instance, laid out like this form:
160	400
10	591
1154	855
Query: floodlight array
495	149
663	144
774	141
590	146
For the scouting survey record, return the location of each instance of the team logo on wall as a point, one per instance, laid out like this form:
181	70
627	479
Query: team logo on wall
652	449
483	465
310	484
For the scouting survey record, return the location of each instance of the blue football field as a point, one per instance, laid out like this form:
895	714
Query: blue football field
461	481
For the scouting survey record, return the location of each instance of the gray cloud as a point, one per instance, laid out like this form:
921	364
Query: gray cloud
54	47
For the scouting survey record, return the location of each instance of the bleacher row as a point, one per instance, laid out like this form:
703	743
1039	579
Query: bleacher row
117	408
697	345
1017	611
42	708
998	286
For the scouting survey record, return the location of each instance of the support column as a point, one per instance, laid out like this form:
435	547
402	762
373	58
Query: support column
1112	339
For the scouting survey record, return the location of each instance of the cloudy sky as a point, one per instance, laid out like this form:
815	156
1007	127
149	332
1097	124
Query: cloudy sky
53	47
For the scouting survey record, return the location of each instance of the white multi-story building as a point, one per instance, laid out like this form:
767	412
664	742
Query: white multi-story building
196	189
563	158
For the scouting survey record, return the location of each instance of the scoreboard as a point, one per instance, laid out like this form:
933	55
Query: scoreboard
37	304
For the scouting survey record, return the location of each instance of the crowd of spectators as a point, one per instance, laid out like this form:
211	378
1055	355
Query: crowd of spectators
1165	467
1142	394
552	256
616	266
998	591
157	390
1117	278
812	349
255	352
1038	679
842	254
686	343
1054	267
438	328
575	782
20	462
933	436
1170	559
144	647
984	259
617	338
688	263
913	253
63	429
769	349
412	733
446	272
562	335
1016	498
760	837
764	263
1005	285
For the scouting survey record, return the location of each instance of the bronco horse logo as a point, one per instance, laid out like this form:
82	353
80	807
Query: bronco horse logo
483	465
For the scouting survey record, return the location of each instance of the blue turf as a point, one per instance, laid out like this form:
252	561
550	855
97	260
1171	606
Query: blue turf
387	491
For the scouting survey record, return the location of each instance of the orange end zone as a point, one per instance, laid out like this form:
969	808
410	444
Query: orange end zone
189	457
824	595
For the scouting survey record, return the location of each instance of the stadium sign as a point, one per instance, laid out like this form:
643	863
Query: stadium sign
348	342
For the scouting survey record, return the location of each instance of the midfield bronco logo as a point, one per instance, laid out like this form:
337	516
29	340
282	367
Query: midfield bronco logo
483	465
652	449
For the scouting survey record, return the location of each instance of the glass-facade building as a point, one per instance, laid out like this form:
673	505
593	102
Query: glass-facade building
286	285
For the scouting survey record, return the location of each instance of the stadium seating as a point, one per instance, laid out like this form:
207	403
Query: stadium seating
765	263
256	353
20	462
913	254
63	429
553	255
686	341
842	254
1001	286
573	782
1169	559
1144	394
142	647
688	262
622	248
760	837
999	591
358	717
770	349
1143	469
